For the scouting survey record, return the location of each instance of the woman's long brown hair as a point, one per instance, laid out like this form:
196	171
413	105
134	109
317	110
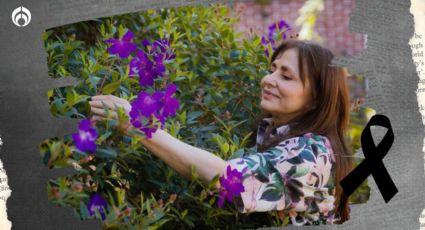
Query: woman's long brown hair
330	112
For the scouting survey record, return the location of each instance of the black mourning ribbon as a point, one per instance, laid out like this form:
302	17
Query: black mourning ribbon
372	164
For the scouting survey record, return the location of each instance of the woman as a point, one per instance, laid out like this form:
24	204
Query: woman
305	114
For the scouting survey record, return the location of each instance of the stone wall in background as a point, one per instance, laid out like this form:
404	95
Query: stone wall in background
332	22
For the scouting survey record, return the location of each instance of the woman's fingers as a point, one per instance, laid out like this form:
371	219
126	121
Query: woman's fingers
111	98
111	102
104	104
100	115
98	118
106	107
104	113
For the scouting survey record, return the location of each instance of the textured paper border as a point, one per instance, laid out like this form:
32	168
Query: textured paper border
4	195
387	62
417	9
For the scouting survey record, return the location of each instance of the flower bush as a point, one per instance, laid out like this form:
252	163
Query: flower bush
186	62
179	68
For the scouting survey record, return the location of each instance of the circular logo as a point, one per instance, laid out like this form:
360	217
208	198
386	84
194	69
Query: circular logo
21	16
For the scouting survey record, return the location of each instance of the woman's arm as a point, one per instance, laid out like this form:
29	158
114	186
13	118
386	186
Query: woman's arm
175	153
181	156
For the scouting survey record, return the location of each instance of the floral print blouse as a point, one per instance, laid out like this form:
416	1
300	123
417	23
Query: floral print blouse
295	177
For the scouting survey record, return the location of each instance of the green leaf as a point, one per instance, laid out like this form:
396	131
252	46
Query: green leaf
84	211
102	30
247	103
184	213
106	153
103	137
71	97
225	148
111	87
191	116
93	81
182	117
62	163
256	42
234	54
121	30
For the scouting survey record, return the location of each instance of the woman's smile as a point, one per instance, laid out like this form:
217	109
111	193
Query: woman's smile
268	95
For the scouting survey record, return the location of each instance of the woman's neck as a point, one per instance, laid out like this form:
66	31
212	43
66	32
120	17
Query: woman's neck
278	121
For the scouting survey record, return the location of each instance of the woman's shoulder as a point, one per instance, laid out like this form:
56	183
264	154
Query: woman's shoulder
307	147
307	140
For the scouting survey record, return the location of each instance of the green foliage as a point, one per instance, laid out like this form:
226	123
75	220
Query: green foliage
142	192
358	120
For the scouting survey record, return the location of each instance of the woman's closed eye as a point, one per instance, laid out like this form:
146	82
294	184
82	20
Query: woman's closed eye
286	77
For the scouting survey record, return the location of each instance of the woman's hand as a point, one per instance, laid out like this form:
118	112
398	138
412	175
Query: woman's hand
111	103
175	153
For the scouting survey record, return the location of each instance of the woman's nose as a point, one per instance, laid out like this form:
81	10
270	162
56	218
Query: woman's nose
269	80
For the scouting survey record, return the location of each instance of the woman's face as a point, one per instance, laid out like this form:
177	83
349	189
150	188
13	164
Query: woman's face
283	94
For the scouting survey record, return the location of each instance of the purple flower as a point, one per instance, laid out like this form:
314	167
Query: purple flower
266	52
150	65
142	66
159	104
96	202
145	105
86	137
264	40
161	47
283	28
146	69
123	47
148	132
146	42
145	127
170	104
149	104
158	65
231	186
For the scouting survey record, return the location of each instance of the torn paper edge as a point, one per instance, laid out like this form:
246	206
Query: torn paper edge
417	9
4	195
